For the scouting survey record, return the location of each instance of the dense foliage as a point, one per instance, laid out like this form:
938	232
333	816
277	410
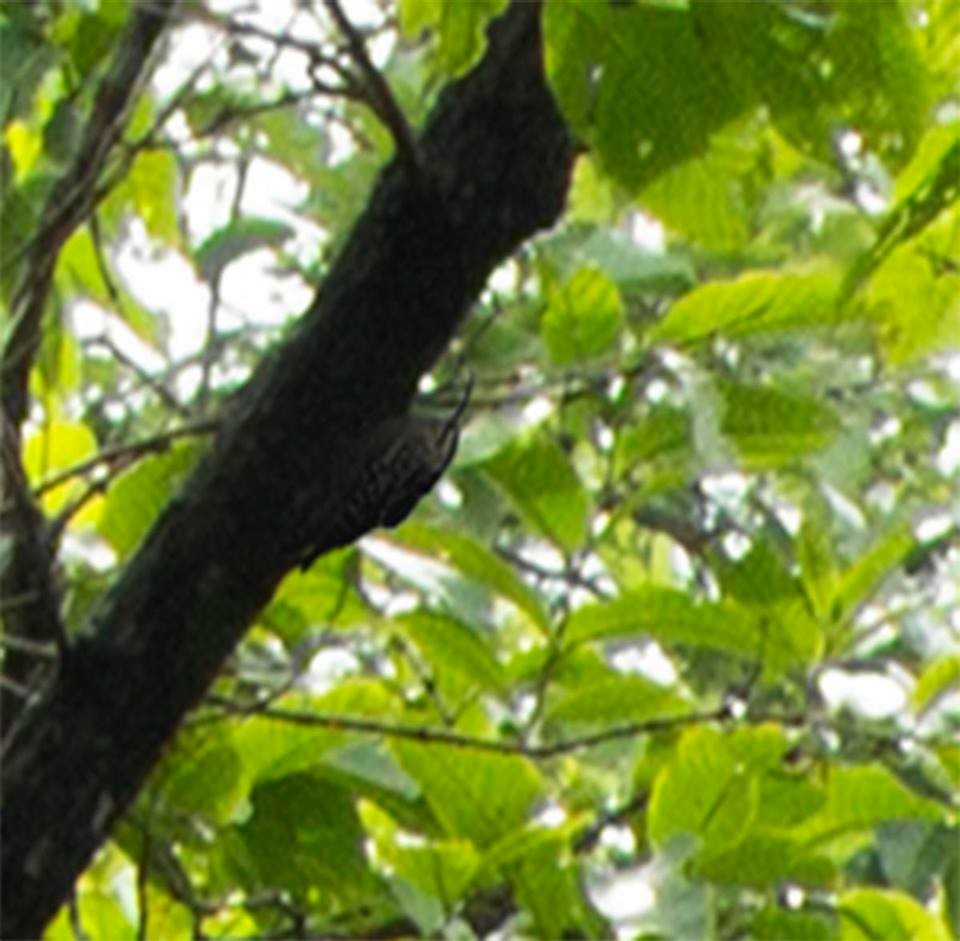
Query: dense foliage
672	651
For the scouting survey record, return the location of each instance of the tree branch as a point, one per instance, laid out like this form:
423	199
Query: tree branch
496	160
440	736
380	97
121	455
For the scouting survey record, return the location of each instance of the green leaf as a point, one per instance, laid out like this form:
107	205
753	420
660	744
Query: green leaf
56	371
787	799
61	133
633	82
57	447
475	795
304	834
917	855
632	267
772	428
615	701
91	42
755	302
290	140
475	561
818	567
340	192
591	197
918	210
441	870
707	198
775	924
272	748
451	646
862	578
150	187
668	615
445	587
914	308
499	344
236	239
543	486
459	26
859	798
921	173
759	578
368	763
79	271
205	776
868	914
938	677
583	318
851	64
685	907
762	861
100	913
769	55
881	76
760	582
665	433
324	592
759	746
517	846
951	884
136	498
551	891
212	109
25	57
20	209
24	146
702	791
369	771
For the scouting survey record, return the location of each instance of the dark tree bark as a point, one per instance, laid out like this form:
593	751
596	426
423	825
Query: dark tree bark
494	167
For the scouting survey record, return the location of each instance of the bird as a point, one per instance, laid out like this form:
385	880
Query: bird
402	458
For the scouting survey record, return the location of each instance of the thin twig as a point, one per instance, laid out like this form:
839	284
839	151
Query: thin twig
19	690
128	452
570	575
227	115
151	382
441	736
210	347
32	647
381	98
587	839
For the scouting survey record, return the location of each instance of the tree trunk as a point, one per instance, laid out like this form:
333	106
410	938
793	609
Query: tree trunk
494	167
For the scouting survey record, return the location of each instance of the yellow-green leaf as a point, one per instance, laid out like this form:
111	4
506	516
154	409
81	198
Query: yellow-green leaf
474	794
869	914
937	678
583	317
56	447
755	302
702	791
542	484
668	615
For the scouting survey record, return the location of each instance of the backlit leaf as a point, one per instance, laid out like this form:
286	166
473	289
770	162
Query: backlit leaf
582	318
541	483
